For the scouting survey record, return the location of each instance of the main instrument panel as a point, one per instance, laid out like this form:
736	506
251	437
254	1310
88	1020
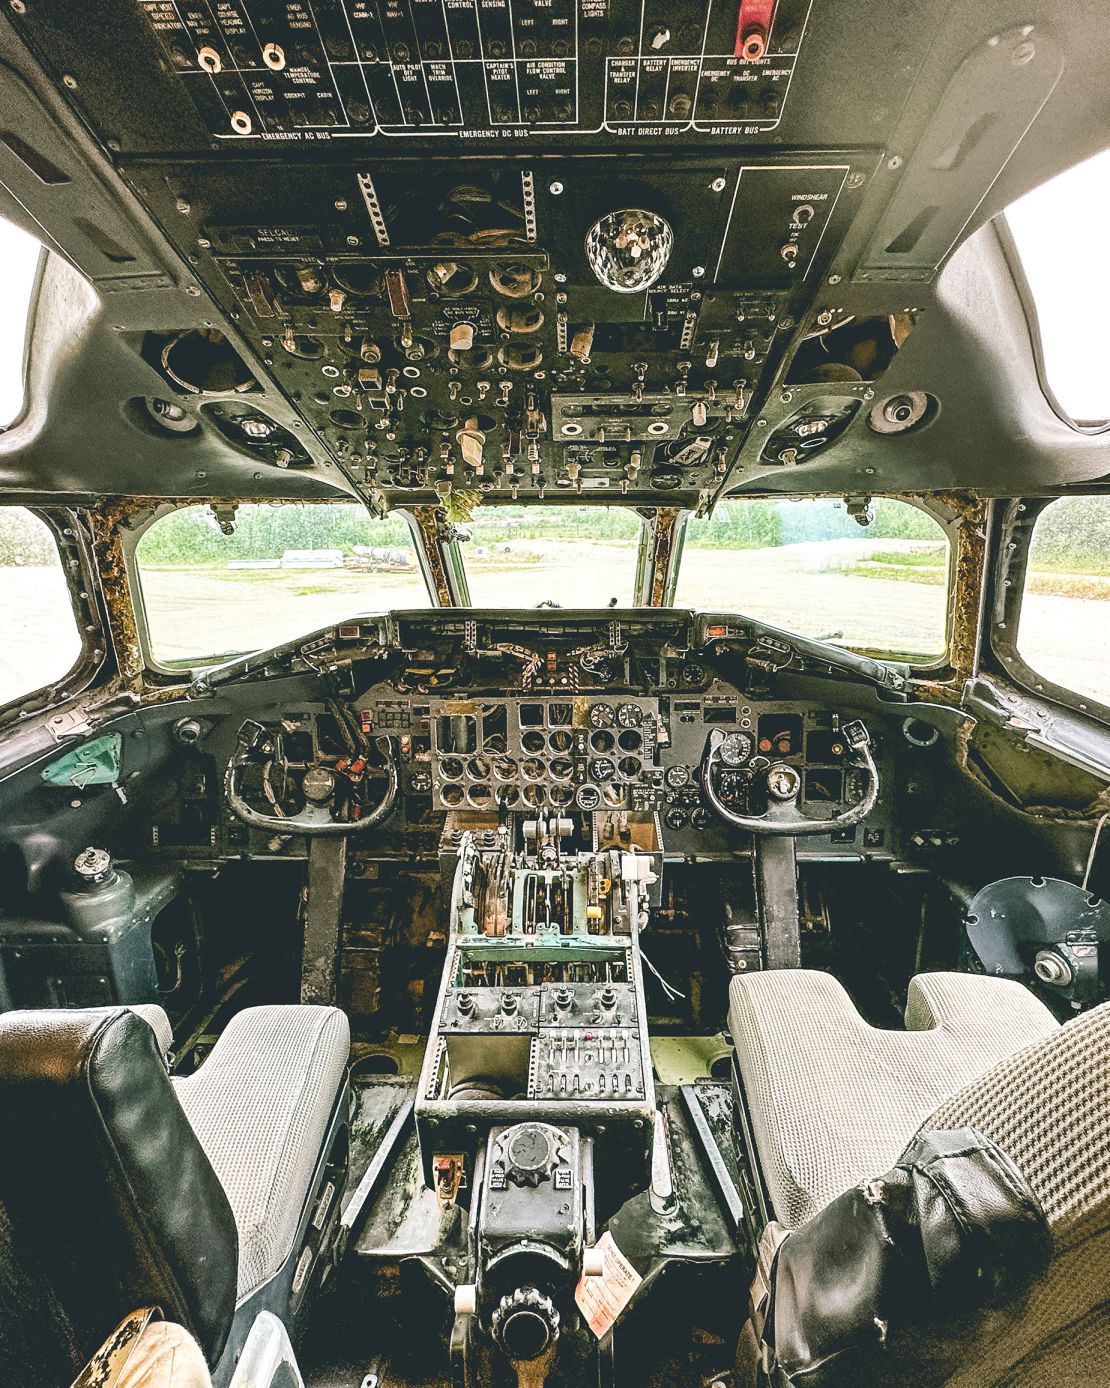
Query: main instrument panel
487	755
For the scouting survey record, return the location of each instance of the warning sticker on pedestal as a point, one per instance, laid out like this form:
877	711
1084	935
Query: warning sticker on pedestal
601	1299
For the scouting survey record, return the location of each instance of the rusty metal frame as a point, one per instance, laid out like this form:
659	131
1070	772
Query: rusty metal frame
433	530
969	517
112	518
965	518
660	547
106	523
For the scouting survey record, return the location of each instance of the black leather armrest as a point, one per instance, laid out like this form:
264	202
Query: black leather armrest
107	1188
883	1286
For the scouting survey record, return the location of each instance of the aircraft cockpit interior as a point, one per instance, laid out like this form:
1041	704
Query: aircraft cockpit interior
554	694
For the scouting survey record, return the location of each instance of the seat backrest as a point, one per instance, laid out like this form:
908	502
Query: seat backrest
1048	1108
110	1201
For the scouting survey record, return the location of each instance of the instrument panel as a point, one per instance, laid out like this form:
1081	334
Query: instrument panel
489	754
353	70
522	248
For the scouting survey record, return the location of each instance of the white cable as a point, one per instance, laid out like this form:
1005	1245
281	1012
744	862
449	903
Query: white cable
1094	848
668	988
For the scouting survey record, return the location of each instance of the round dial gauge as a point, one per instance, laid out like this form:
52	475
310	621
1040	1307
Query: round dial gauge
602	769
677	777
601	715
630	715
736	748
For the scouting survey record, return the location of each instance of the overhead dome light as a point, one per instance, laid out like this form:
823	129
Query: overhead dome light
629	250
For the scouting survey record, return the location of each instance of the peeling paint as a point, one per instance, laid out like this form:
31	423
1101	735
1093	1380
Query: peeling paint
105	523
663	535
428	524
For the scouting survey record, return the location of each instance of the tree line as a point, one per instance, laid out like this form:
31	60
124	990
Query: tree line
1071	535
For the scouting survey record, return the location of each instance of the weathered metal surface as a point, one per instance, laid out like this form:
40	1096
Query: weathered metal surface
429	527
969	565
1020	778
106	522
662	548
327	872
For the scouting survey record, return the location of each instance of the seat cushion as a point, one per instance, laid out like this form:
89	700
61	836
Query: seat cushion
260	1105
1048	1107
833	1100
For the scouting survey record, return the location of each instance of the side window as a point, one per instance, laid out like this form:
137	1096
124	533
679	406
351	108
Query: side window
19	255
40	642
1064	624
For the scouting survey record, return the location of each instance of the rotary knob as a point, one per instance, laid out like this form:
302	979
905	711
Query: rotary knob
525	1323
529	1152
92	865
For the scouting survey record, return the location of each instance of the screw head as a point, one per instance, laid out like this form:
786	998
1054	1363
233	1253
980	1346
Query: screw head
555	188
718	185
894	162
698	272
68	80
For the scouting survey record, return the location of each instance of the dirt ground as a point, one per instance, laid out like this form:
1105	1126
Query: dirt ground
197	612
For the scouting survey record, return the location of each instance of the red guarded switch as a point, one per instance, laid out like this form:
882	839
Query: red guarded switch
753	28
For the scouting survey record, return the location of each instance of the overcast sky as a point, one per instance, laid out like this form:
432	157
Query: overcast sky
18	254
1058	229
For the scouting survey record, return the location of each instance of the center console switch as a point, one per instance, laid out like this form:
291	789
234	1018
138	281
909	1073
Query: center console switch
541	1013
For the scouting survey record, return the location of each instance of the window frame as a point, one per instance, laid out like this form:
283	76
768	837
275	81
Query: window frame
650	519
131	535
1016	521
75	555
949	523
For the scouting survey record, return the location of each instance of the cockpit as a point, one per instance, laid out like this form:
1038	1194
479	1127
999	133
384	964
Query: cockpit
554	710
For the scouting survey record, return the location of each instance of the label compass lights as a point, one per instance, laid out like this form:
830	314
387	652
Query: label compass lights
628	250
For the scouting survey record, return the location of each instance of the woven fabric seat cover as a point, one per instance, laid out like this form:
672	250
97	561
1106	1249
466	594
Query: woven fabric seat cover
834	1101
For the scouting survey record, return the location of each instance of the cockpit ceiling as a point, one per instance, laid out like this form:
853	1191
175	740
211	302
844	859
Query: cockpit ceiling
621	252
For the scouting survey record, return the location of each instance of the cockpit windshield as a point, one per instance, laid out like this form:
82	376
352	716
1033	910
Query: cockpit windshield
558	556
1070	293
874	578
282	572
